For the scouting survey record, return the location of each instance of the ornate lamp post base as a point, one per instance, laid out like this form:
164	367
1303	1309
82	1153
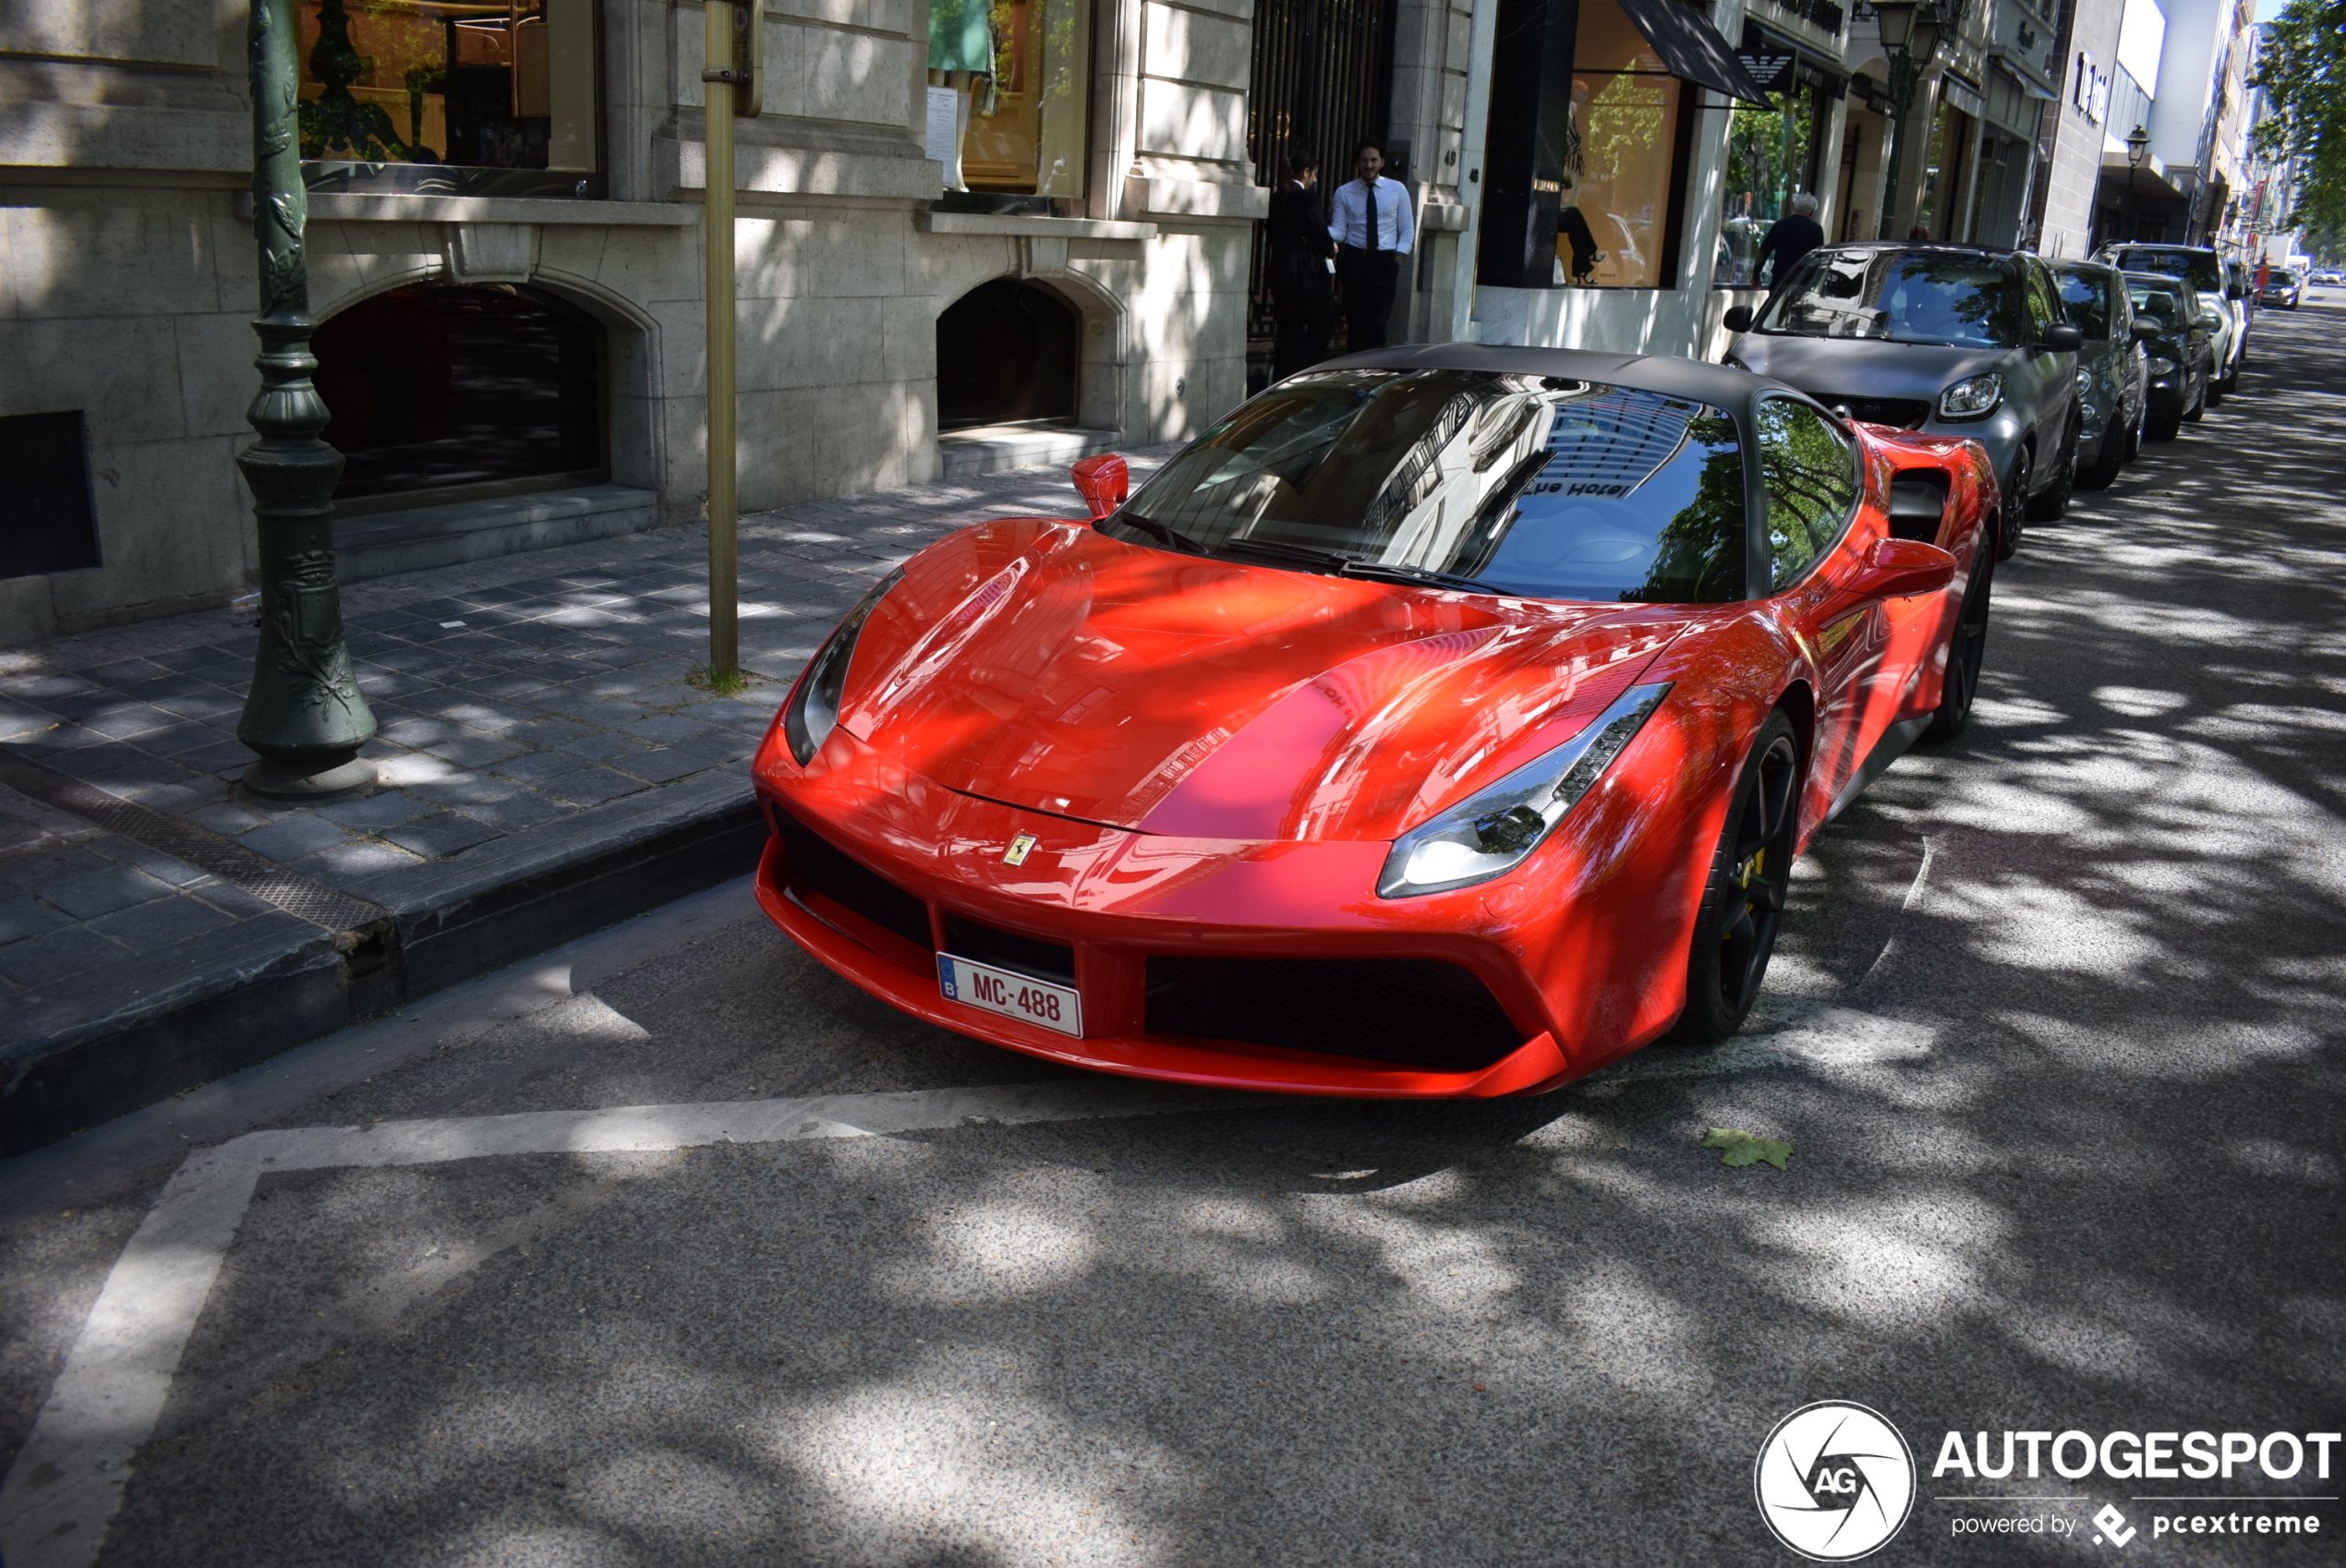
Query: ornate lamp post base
327	778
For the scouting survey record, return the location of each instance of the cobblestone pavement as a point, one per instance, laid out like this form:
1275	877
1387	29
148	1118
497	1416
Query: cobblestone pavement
512	696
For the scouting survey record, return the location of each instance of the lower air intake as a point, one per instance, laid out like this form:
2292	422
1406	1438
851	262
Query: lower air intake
1415	1012
818	866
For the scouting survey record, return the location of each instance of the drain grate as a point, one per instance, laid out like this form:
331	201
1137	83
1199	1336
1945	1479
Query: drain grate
300	895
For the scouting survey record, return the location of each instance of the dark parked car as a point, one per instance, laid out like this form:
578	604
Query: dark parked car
2113	376
2283	291
1949	339
2222	284
2180	346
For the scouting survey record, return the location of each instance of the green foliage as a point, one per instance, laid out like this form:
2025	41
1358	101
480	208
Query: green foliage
1739	1148
2303	71
724	683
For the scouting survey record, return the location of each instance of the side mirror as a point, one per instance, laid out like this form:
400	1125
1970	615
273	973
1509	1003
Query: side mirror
2064	339
1738	317
1102	482
1899	568
2147	327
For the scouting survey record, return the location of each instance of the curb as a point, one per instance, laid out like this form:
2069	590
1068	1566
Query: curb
277	982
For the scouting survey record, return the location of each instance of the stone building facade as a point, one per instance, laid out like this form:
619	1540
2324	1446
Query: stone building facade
126	268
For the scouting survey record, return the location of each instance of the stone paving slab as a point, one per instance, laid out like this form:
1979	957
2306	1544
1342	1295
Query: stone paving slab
535	722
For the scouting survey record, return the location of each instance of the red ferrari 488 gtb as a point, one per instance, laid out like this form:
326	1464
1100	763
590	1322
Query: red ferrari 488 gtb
1443	722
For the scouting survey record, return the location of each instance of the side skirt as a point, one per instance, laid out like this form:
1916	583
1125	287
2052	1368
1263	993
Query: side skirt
1888	749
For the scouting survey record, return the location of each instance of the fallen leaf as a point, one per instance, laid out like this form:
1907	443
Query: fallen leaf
1739	1148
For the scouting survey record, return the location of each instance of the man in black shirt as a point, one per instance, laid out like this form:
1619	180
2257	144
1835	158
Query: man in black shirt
1789	238
1302	304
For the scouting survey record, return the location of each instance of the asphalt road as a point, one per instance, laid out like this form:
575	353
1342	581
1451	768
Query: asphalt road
2054	1034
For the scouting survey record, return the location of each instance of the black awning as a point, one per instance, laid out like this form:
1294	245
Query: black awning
1691	49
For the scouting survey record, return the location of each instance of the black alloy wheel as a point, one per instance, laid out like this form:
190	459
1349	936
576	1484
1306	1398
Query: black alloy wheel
2110	457
2011	524
1743	900
2199	403
2053	501
1966	651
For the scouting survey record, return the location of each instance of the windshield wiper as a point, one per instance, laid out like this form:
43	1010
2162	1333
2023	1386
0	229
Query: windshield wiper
1345	564
1173	537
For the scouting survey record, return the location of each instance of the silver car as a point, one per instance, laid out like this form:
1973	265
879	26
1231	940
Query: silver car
2112	370
1950	340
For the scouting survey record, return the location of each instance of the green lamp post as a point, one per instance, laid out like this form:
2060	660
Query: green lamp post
303	712
1909	41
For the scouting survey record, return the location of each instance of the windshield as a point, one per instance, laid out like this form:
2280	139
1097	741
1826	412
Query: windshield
2086	301
2198	268
1536	485
1900	297
2283	279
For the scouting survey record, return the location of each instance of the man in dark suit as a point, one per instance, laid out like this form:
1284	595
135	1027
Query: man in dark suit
1303	301
1789	238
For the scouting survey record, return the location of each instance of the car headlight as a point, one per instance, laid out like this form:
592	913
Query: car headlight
812	712
1974	397
1732	363
1494	830
2161	367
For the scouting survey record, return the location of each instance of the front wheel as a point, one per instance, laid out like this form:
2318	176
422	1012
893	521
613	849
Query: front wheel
2199	403
2010	524
1744	897
2053	501
1966	650
2107	459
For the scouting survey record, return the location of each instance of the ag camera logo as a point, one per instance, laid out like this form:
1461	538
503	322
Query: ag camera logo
1835	1481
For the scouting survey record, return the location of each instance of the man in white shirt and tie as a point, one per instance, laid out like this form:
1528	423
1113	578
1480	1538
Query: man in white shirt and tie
1372	225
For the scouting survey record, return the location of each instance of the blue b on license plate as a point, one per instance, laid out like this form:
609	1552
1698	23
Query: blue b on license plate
1011	993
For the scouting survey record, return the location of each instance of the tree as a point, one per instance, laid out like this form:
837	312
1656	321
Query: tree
2303	71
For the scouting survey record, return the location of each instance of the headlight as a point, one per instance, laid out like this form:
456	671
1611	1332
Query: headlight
1492	832
1974	397
2161	367
812	712
1732	363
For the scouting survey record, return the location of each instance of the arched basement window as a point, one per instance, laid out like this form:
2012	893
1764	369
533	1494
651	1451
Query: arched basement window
1006	354
445	393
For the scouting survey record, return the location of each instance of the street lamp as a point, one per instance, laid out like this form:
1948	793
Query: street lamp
2137	148
303	712
1909	41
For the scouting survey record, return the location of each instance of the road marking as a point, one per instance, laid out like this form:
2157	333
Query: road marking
67	1482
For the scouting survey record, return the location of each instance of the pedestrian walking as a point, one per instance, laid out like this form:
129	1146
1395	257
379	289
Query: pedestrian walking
1789	239
1375	228
1302	257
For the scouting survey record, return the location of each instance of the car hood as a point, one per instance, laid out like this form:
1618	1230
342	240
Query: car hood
1827	368
1047	666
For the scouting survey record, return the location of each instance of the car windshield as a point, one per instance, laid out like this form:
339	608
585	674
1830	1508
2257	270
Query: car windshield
2198	268
1538	486
2086	301
1900	297
2284	280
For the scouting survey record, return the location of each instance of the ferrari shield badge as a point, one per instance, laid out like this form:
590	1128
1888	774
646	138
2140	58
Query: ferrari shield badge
1015	853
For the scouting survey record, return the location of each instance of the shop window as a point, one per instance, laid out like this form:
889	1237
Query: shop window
1772	157
1940	213
1021	73
422	95
1006	354
48	521
1624	166
445	393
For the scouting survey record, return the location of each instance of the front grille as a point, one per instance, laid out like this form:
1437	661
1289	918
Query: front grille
818	866
1417	1012
1007	949
1904	413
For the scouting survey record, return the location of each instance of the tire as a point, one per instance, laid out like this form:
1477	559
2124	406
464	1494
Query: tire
2011	523
1743	899
2198	404
2135	431
2053	501
2106	462
1966	651
2163	427
2216	390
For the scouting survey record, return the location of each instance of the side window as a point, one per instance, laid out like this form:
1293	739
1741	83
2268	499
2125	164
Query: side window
1808	470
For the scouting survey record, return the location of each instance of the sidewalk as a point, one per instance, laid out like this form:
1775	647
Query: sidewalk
546	771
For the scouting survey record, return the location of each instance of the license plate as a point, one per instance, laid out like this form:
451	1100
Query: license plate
1011	993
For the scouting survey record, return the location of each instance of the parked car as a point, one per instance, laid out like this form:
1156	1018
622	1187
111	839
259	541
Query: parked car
1948	340
2180	347
2113	377
1442	723
2282	290
2221	283
2328	278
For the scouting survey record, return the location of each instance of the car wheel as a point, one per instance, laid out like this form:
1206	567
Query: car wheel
2134	431
2199	403
1966	650
2163	427
2053	499
2108	460
2216	387
1743	900
2009	523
